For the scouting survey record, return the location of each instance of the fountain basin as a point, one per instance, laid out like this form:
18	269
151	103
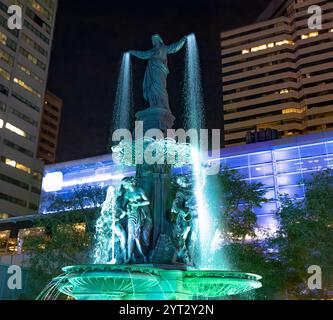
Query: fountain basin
151	282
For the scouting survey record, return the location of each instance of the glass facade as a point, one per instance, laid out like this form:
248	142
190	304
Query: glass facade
280	165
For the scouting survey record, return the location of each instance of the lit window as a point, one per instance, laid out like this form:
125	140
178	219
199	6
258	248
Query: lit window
32	232
20	132
76	227
1	123
22	167
7	58
14	164
80	227
34	45
11	163
16	130
3	38
310	35
262	47
5	74
331	30
266	46
30	73
283	42
44	12
284	91
26	87
259	48
32	58
29	233
293	110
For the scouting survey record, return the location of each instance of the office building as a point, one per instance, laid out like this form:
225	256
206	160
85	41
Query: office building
277	72
24	63
49	128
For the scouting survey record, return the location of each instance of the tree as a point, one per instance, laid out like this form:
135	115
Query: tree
305	237
66	238
235	200
82	198
255	257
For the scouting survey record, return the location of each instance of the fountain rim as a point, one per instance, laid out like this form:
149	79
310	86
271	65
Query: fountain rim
189	272
206	281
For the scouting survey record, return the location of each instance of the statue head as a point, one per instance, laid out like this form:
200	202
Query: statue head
110	194
128	182
157	40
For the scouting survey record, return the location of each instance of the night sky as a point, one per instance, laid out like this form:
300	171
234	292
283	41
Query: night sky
90	38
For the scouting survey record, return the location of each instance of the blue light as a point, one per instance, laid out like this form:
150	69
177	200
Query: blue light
279	167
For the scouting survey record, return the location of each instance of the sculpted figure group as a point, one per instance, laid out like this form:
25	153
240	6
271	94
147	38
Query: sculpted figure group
133	223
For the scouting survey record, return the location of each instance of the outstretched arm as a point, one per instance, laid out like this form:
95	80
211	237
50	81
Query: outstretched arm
175	47
144	55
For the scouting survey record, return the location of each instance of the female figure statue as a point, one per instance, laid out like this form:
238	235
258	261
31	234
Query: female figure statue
155	80
139	222
184	208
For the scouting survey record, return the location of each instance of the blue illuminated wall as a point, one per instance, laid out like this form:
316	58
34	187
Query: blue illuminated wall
280	165
62	179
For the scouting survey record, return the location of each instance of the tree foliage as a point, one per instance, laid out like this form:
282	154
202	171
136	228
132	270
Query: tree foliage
66	238
305	237
235	200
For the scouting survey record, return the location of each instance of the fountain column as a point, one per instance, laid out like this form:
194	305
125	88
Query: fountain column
156	182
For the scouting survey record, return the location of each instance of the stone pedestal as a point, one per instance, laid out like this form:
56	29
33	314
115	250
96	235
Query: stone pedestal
156	118
156	182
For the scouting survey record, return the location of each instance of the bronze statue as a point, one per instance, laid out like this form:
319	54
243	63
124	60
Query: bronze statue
139	222
155	80
184	208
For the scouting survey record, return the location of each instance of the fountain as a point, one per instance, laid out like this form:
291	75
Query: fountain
194	117
123	102
155	231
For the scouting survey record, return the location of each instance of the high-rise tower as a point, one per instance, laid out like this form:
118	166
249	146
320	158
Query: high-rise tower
24	63
277	72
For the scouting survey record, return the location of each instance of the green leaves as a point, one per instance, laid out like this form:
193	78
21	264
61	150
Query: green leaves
66	239
235	200
306	235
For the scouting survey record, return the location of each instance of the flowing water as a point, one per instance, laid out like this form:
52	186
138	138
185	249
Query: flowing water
104	251
194	119
193	98
123	105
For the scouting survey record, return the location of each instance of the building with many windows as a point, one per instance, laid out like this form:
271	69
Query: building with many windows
24	62
49	128
277	72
